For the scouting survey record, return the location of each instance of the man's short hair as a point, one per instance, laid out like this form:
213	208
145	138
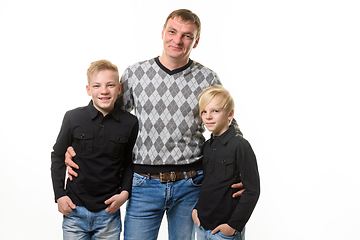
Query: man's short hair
187	16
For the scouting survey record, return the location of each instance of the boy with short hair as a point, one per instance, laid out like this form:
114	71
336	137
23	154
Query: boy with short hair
103	136
227	159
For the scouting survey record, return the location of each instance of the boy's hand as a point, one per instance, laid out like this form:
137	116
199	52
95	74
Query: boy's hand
70	153
224	229
65	205
195	217
116	201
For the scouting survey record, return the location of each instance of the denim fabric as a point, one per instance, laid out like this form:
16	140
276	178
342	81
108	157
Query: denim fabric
82	224
202	234
150	199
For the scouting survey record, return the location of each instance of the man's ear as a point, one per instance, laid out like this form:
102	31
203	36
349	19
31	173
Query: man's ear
196	42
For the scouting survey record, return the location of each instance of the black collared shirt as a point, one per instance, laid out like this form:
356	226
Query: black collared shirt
103	146
226	158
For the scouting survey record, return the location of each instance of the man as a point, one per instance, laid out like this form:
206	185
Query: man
167	154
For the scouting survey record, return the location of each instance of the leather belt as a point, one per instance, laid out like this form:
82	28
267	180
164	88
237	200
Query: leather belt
171	176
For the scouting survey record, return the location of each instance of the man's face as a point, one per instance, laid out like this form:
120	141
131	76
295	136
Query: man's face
103	89
179	38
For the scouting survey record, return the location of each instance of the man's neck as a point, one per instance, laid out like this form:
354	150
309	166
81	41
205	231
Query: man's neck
172	64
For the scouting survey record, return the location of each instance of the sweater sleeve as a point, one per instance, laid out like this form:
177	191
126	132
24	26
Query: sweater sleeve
125	99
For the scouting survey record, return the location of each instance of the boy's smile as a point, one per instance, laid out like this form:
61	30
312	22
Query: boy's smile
104	90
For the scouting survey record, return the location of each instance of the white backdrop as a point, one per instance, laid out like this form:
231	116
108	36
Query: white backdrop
292	67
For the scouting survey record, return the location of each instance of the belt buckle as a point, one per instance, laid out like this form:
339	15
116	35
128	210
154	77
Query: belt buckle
172	177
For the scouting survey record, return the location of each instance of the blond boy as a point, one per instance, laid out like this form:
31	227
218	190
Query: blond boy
103	136
228	158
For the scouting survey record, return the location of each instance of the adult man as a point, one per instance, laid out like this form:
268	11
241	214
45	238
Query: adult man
167	163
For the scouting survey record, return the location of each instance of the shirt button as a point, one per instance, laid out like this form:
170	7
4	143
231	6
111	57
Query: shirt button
101	125
82	135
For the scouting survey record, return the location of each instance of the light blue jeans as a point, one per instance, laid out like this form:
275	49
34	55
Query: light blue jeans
81	224
150	199
202	234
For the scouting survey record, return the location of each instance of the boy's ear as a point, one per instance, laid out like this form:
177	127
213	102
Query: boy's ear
88	90
231	115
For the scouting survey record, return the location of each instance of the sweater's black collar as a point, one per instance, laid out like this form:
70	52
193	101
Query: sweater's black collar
172	72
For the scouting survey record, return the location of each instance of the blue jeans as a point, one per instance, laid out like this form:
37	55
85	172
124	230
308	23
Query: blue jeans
150	199
81	224
202	234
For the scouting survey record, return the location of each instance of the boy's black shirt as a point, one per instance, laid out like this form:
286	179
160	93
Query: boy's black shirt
103	147
225	158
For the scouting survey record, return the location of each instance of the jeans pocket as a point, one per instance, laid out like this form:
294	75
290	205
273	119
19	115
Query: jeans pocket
223	236
196	181
138	180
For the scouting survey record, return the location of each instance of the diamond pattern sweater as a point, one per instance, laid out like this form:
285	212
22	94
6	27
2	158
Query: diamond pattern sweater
165	102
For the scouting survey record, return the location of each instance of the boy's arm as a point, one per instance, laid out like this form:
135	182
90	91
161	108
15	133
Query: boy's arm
58	167
247	164
128	171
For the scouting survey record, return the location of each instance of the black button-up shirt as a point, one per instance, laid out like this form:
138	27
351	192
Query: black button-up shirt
228	159
103	146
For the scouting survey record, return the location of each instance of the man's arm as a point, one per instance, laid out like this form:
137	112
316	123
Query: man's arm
70	153
240	186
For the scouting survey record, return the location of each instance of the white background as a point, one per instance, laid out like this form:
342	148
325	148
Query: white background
292	67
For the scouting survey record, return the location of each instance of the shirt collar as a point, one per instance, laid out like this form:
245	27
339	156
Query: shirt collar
226	136
93	112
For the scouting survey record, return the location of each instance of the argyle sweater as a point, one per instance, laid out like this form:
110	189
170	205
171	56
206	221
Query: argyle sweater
165	102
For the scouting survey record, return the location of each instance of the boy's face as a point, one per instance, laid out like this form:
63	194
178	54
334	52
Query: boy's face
179	38
215	118
103	89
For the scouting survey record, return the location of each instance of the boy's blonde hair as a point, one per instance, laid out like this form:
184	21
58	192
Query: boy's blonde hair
223	98
187	16
100	65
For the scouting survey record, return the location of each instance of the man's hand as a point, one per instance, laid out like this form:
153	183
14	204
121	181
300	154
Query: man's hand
70	153
116	201
224	229
195	217
65	205
240	186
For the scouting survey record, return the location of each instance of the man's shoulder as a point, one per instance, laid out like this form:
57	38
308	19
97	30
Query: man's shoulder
199	66
141	64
